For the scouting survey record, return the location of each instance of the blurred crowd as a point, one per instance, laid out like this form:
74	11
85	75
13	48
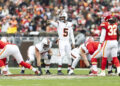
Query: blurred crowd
23	16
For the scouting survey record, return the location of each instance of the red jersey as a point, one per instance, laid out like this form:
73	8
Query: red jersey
92	47
111	30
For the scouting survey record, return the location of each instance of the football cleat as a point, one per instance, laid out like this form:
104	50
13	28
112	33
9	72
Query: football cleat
71	72
111	73
102	74
48	72
68	71
93	73
5	72
22	71
60	72
38	73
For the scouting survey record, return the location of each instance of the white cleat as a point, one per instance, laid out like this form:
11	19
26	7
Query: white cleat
9	73
4	72
71	72
102	74
93	73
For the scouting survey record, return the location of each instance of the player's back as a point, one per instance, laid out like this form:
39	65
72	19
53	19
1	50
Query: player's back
64	30
111	30
92	46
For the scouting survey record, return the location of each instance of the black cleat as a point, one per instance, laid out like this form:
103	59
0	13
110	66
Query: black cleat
110	72
90	72
22	71
60	72
48	72
68	71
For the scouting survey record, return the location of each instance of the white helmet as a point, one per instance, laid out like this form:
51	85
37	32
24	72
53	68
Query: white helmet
46	41
4	39
88	39
63	14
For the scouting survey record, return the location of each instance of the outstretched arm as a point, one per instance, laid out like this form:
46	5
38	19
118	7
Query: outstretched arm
53	23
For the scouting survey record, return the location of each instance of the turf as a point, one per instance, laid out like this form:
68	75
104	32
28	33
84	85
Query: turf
90	81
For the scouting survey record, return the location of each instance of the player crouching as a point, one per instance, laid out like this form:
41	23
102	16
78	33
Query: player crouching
78	53
41	50
12	49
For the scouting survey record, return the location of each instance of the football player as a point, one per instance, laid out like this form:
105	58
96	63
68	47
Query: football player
65	33
42	50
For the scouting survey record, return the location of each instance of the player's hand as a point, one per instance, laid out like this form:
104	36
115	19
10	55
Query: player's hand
73	46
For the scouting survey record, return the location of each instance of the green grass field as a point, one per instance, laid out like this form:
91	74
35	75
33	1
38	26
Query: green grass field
47	81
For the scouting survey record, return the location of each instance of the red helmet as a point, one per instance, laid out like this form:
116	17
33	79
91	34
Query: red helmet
108	17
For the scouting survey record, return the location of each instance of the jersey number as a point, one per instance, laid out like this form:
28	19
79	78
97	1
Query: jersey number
112	30
65	32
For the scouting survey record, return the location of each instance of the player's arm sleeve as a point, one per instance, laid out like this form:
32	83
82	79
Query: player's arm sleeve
72	37
54	23
102	37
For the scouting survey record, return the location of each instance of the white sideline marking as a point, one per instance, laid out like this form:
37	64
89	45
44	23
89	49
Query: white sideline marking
45	77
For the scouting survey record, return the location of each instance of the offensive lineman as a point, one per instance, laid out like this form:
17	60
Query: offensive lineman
65	33
41	50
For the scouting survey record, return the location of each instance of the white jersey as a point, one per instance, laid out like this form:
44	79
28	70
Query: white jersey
76	51
40	47
65	31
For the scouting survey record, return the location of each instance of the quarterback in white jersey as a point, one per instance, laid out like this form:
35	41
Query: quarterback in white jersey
41	50
65	33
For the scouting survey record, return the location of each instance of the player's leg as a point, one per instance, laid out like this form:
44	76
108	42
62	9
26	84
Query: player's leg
94	57
106	53
60	58
68	53
17	55
110	63
47	58
115	59
3	68
74	63
30	59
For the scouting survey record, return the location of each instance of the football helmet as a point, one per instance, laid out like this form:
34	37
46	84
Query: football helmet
63	16
89	39
46	42
111	19
4	39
